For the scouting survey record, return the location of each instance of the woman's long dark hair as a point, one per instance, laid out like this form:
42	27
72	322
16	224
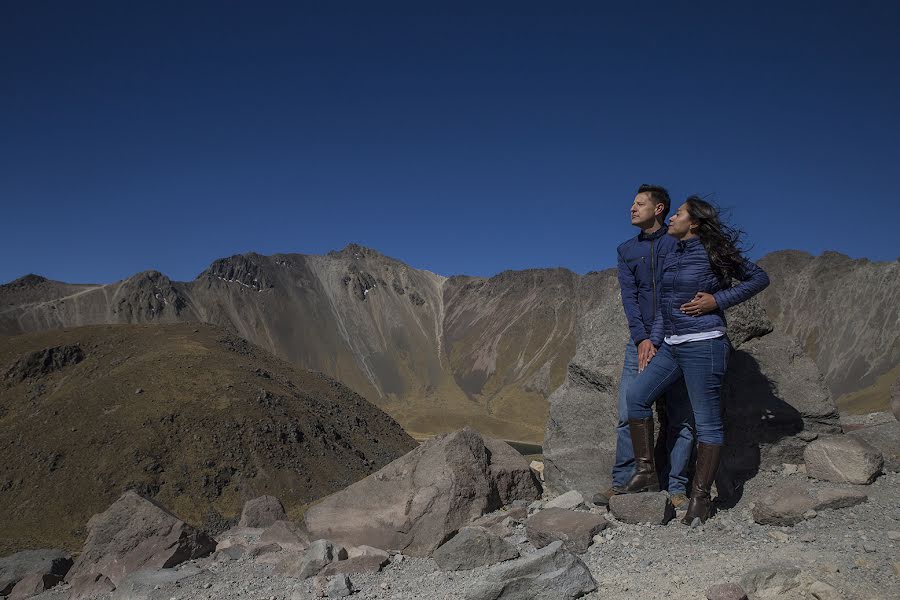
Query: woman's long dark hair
722	242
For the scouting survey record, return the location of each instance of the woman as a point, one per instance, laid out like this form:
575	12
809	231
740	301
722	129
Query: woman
689	335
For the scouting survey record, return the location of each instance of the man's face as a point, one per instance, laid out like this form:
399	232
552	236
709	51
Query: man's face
643	211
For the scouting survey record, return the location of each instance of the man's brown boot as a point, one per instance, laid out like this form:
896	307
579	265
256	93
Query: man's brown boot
704	474
644	478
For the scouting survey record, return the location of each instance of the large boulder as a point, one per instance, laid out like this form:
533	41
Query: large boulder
418	501
843	459
262	512
15	567
580	440
319	555
551	572
886	438
789	503
772	392
134	533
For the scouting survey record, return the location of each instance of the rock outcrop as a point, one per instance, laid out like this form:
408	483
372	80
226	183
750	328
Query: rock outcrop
133	534
418	501
15	567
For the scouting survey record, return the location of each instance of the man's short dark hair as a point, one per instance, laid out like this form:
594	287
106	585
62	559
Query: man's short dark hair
659	195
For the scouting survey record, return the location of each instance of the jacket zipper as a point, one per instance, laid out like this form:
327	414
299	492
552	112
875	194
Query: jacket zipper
674	279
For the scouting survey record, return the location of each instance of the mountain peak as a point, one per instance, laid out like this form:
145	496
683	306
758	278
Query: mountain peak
354	250
30	280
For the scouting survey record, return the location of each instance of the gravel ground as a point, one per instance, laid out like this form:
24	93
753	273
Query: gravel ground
855	550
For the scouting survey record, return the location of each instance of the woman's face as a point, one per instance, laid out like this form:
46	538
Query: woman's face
680	223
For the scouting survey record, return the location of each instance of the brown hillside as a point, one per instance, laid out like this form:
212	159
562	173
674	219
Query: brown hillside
188	414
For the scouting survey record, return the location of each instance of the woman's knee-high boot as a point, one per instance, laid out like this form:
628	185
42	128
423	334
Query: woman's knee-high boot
704	474
644	478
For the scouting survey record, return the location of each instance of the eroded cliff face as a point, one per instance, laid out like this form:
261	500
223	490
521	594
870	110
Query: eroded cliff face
845	313
435	355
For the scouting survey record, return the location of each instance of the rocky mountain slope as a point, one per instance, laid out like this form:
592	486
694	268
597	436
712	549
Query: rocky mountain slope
438	353
187	414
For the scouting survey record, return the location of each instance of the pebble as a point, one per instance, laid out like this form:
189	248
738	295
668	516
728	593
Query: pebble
808	537
893	535
779	536
869	548
810	514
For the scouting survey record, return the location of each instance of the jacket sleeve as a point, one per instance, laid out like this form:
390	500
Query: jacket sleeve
656	334
630	301
753	280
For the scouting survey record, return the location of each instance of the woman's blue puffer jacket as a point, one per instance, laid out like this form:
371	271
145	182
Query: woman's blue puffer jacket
686	271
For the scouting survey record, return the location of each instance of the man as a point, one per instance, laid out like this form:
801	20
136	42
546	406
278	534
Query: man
640	268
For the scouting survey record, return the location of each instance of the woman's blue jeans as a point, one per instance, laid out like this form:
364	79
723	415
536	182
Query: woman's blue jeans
702	364
679	437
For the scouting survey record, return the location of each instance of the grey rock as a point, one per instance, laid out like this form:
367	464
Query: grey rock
726	591
886	439
649	507
569	500
33	584
787	503
262	512
416	502
770	581
747	321
152	584
574	529
471	548
490	520
339	586
822	591
843	459
320	554
134	533
16	566
550	572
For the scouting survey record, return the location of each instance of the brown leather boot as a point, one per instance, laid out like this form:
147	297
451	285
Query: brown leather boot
644	478
704	474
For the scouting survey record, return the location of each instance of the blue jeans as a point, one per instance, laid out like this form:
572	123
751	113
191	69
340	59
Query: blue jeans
702	364
679	437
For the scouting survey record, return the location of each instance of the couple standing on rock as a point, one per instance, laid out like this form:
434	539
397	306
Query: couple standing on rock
676	283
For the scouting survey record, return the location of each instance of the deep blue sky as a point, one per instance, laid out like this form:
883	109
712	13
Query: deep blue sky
137	135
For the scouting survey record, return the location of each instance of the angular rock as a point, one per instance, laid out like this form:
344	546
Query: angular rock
550	572
648	507
516	513
416	502
770	581
262	512
843	459
570	500
471	548
33	584
886	439
726	591
134	533
152	584
511	475
339	586
747	321
286	534
320	554
574	529
789	503
822	591
42	562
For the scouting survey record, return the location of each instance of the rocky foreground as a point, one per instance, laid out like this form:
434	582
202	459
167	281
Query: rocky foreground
463	517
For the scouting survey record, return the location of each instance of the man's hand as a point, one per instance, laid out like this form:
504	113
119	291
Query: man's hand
646	351
701	304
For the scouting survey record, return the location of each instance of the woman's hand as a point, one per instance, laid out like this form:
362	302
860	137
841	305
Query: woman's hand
701	304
